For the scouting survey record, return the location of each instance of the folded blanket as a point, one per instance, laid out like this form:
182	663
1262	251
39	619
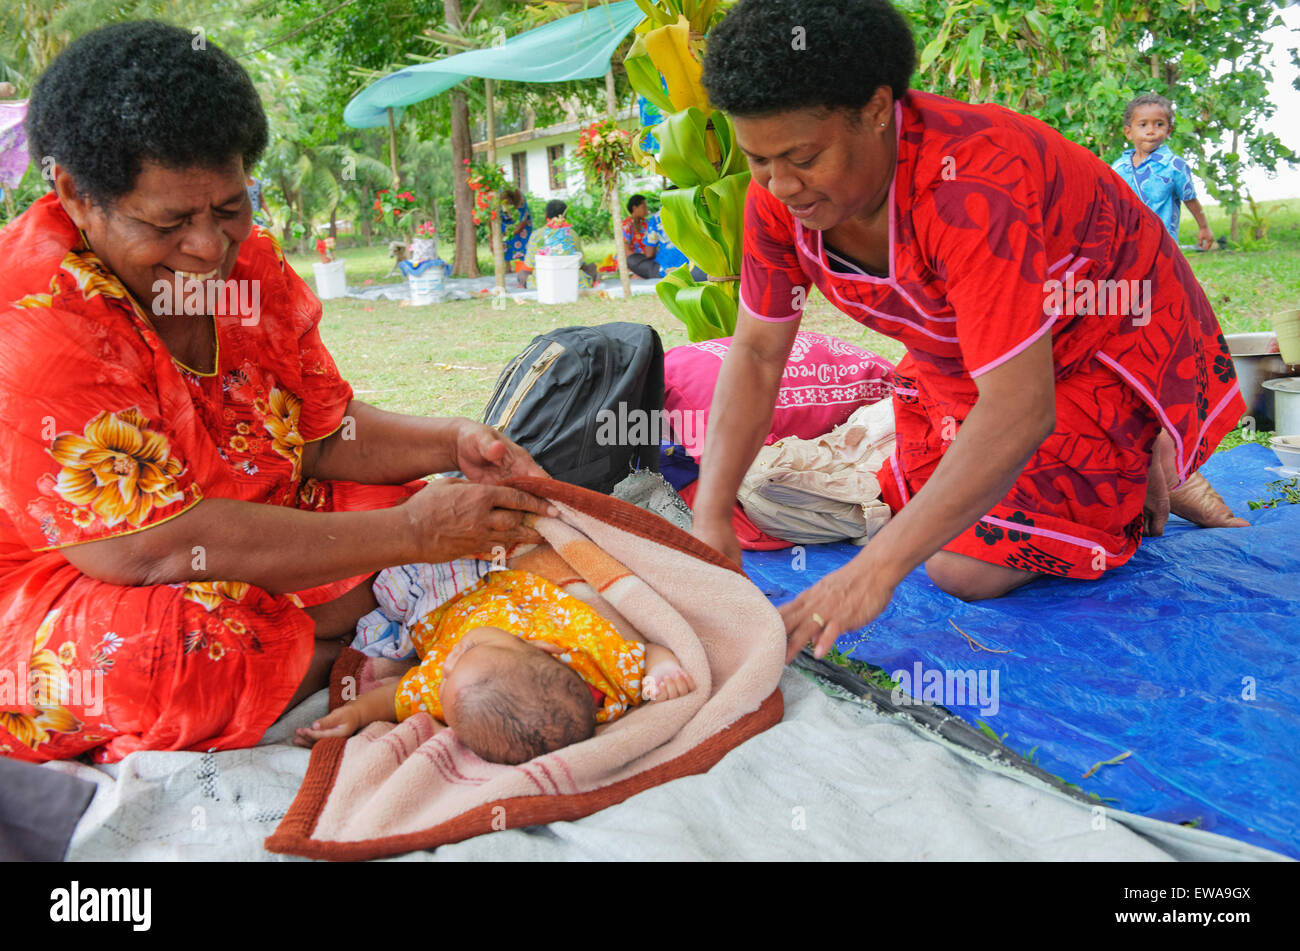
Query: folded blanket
398	787
811	491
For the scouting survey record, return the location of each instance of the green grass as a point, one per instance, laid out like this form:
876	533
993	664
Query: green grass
444	359
1247	287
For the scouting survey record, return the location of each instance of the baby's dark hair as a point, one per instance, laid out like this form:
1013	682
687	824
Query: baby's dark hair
1148	99
524	711
555	208
772	56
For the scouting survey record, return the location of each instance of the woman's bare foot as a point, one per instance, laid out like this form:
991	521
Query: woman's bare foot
1196	501
664	677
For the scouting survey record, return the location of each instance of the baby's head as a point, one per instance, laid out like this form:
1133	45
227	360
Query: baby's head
1148	120
509	700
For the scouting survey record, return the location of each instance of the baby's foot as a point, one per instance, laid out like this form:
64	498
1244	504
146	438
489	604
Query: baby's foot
664	677
340	722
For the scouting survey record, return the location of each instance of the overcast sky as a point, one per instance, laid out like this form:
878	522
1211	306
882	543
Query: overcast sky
1285	123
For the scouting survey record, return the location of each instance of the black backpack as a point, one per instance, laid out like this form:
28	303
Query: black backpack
586	402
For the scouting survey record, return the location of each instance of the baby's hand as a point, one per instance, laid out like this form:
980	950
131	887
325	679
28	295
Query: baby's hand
340	722
664	677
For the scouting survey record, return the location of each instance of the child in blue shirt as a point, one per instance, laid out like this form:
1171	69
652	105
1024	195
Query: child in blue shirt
1162	180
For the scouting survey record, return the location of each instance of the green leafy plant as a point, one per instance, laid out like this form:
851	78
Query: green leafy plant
1258	224
1280	490
487	182
604	152
705	215
1076	65
395	204
868	673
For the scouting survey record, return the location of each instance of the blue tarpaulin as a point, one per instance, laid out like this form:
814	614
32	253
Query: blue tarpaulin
1187	657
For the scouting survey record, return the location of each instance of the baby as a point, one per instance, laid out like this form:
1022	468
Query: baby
517	668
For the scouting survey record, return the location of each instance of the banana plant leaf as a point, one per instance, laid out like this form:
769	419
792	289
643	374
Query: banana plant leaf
707	223
733	159
646	160
645	79
707	309
684	152
670	50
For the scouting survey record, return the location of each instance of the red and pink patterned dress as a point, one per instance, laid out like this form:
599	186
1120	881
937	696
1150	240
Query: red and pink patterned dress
1002	230
103	434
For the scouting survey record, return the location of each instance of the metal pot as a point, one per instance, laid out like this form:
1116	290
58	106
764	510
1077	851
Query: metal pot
1256	358
1286	400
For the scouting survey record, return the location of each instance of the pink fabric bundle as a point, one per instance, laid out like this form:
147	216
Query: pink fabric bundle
824	381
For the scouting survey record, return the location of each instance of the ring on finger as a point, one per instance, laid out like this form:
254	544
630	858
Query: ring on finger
821	621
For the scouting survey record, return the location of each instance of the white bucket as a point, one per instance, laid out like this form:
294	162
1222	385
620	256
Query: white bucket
331	281
428	288
557	278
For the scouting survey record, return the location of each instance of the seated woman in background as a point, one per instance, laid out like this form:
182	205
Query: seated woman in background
558	237
641	243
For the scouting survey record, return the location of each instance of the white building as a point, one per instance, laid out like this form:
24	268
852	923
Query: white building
541	162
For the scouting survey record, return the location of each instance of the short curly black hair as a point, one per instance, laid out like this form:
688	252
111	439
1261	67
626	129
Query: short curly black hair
771	56
1148	99
143	91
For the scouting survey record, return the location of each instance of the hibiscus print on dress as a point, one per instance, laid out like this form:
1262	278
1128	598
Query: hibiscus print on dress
49	684
118	472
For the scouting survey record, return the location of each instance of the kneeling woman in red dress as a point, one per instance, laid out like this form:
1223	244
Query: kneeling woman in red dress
1065	376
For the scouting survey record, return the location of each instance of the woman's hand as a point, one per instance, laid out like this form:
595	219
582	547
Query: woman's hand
843	601
484	455
452	518
718	534
1162	476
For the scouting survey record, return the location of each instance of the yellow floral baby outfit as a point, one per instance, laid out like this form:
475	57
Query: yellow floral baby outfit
533	609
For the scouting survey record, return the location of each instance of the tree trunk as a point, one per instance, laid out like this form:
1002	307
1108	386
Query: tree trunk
615	206
286	229
392	151
334	222
1234	234
465	260
305	241
367	226
494	223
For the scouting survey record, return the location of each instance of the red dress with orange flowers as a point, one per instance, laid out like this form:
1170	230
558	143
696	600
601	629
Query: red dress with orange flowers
1000	231
102	434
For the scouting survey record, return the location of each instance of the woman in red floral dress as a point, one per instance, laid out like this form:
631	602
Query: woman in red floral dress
1065	375
192	499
